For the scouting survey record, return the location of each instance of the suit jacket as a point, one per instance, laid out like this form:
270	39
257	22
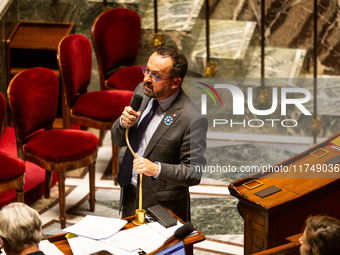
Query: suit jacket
178	147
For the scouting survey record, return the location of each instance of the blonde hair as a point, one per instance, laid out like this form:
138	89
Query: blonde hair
20	225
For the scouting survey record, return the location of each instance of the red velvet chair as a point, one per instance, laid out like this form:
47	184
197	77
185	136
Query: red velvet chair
98	109
32	97
115	37
12	174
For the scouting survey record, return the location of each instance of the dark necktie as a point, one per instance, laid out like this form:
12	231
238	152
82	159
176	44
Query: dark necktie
125	170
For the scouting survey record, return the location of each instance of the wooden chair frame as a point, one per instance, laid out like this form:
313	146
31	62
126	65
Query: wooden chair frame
17	184
69	118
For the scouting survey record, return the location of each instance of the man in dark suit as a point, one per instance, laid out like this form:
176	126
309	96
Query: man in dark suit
171	149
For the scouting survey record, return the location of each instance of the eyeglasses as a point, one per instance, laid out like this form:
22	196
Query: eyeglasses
153	77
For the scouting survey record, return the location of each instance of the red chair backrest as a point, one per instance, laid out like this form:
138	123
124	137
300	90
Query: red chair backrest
75	64
33	97
115	35
2	111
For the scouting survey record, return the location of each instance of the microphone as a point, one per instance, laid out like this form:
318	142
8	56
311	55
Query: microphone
184	231
135	105
136	102
179	235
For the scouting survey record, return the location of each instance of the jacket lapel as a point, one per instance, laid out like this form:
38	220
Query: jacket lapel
175	108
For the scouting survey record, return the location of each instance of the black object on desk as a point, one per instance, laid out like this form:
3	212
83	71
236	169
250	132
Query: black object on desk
333	161
268	191
160	214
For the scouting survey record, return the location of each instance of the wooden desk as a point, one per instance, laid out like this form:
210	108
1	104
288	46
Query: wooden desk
61	242
291	248
34	44
268	220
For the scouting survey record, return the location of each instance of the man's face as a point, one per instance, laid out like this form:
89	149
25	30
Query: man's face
304	245
160	67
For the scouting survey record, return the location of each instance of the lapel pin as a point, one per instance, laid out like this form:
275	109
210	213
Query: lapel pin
168	120
174	115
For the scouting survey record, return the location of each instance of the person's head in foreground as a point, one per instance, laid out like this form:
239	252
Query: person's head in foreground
20	229
321	236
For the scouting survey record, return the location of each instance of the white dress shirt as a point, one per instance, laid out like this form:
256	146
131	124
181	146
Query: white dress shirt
151	128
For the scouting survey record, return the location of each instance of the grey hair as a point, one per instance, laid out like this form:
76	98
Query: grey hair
20	225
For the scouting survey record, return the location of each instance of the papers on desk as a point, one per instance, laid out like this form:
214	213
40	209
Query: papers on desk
84	246
50	249
143	237
167	232
147	237
96	227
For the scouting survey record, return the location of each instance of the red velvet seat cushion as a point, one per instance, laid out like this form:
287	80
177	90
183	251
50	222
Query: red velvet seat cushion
11	167
62	146
34	175
105	105
126	78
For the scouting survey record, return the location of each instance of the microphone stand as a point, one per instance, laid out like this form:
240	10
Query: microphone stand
140	212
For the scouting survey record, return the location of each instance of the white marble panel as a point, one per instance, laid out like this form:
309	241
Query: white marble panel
279	63
173	15
207	189
3	6
231	47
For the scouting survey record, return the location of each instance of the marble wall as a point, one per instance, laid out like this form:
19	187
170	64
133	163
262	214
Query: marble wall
289	24
289	29
80	12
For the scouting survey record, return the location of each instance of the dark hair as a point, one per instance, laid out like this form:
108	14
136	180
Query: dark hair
323	235
180	62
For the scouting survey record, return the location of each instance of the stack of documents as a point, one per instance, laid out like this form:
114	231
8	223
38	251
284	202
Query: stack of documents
100	233
96	227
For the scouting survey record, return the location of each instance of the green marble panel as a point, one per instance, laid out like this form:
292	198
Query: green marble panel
216	216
